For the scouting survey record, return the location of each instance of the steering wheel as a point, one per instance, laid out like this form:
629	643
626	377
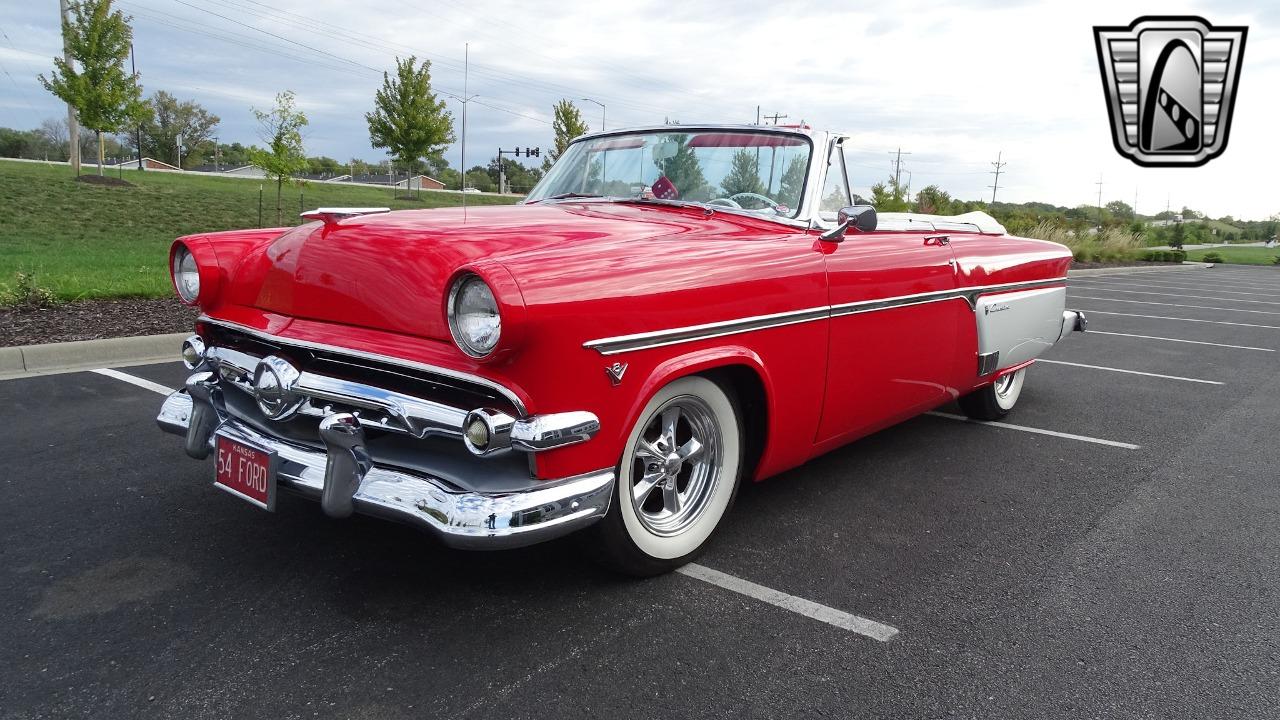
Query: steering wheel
757	196
726	202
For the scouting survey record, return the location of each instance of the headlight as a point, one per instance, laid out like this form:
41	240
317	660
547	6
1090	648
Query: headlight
186	276
474	321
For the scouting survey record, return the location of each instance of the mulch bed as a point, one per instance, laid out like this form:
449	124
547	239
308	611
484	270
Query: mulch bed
104	180
94	319
1077	265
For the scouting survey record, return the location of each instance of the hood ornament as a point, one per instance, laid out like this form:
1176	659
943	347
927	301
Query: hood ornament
332	215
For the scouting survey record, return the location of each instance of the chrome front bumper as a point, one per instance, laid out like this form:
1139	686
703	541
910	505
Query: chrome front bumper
345	479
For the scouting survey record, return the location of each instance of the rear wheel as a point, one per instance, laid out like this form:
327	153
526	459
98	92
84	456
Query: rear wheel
994	401
677	479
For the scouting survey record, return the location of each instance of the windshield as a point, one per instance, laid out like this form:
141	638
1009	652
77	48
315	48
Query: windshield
744	170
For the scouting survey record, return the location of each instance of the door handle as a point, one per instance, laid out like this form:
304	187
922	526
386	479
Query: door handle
937	240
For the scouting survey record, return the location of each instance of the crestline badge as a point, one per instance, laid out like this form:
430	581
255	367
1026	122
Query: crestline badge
1170	84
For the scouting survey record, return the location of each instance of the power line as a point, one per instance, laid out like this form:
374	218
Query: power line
998	165
775	118
381	45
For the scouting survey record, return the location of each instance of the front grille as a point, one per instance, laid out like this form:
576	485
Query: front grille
444	389
445	458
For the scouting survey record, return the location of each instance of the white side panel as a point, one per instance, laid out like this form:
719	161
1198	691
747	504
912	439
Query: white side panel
1020	325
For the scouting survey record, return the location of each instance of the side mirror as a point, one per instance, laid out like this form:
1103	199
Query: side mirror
858	217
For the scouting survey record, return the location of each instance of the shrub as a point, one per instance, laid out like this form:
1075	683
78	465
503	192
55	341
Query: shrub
1275	260
26	293
1178	256
1212	257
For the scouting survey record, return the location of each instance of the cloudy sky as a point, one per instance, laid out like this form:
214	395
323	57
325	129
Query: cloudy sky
951	82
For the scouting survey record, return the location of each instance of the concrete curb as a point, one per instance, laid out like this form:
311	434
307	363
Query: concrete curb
1138	269
28	360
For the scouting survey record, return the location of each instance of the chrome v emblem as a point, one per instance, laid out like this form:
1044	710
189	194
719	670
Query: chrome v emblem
615	372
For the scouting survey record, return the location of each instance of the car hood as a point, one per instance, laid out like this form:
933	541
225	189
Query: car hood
391	271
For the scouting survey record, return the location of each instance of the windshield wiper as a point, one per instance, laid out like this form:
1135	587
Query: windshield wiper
569	195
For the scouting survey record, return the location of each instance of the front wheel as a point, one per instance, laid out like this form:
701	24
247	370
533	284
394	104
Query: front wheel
677	478
994	401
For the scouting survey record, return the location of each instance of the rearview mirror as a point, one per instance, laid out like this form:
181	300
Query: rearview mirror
857	217
664	150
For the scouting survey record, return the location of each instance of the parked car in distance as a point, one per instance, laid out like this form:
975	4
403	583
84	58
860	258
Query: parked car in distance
671	312
470	190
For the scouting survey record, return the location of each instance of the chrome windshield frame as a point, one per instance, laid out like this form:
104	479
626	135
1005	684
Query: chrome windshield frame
806	216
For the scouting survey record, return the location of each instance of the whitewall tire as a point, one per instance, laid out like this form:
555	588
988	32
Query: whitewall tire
677	478
994	401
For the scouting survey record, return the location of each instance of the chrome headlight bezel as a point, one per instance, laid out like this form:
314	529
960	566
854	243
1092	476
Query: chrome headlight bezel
473	347
186	274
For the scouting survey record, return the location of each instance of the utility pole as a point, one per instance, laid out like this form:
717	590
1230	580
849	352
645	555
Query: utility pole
466	100
1099	184
215	154
998	165
133	66
897	169
909	177
73	125
757	114
178	143
775	118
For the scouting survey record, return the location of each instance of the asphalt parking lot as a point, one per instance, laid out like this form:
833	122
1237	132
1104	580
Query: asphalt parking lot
1126	563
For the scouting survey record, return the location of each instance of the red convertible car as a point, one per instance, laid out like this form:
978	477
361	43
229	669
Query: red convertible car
672	311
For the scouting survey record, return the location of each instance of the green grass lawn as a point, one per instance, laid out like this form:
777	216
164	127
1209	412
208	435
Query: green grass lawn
1239	255
91	241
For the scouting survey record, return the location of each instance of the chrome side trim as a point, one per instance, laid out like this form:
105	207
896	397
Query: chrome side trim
400	362
660	338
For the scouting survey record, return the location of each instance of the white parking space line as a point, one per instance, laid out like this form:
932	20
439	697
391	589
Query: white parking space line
1130	372
1195	320
1180	340
807	608
1037	431
134	380
1181	295
1216	282
1213	288
1164	304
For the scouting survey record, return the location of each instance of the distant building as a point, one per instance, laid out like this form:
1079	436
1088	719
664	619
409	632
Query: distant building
147	164
252	171
420	182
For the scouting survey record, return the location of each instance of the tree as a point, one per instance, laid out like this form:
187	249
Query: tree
170	119
744	174
933	200
281	129
887	196
1119	209
56	134
567	124
407	119
105	97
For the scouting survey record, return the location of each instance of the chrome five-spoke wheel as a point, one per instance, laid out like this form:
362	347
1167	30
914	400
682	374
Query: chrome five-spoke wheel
678	476
676	466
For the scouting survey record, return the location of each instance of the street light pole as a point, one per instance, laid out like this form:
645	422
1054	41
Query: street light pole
602	110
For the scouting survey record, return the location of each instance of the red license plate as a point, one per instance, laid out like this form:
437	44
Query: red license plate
246	471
